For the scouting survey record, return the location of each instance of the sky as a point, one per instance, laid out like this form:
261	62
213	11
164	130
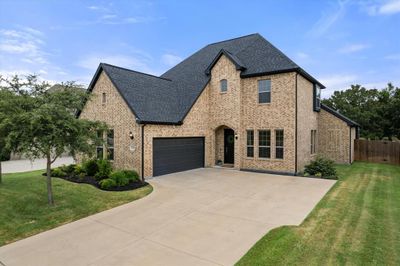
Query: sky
338	42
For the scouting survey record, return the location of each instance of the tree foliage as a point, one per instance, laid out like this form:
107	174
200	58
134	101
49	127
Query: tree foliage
377	111
41	122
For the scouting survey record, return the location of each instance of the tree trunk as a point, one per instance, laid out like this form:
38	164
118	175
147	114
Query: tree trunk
49	186
1	173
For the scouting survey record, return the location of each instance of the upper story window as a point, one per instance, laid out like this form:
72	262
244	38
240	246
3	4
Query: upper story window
264	144
223	85
104	98
250	143
317	97
279	144
264	91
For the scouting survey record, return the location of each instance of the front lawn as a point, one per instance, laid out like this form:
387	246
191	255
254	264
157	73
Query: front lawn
356	223
24	210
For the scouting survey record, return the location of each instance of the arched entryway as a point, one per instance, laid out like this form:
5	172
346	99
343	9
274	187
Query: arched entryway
224	146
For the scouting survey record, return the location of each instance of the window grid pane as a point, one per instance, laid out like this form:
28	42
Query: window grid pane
264	91
223	85
250	143
279	141
264	144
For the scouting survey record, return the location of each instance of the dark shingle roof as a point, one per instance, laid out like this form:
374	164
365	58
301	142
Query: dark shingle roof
339	115
167	99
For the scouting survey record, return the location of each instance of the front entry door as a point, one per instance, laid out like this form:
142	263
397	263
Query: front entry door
229	145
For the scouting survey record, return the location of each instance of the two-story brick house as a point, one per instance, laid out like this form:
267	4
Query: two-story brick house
239	103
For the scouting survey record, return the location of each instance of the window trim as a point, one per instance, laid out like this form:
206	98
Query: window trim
109	147
266	90
264	146
280	146
221	83
247	142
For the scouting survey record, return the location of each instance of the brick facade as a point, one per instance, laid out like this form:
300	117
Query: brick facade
238	109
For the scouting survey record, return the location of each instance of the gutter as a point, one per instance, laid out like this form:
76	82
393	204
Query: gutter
295	132
143	151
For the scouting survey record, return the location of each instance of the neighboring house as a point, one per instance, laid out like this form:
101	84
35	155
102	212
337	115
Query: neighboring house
240	103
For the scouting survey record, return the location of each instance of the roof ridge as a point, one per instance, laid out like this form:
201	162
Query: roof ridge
248	35
130	70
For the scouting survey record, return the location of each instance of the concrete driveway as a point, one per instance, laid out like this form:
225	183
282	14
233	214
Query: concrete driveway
199	217
17	166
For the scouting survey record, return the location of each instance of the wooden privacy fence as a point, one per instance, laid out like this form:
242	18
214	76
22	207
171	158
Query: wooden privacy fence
377	151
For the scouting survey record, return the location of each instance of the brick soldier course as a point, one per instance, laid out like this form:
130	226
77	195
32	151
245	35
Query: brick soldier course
187	101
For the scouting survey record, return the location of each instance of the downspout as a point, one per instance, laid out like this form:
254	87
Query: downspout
143	151
295	141
350	146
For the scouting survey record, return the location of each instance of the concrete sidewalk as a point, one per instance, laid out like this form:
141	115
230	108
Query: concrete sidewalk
17	166
199	217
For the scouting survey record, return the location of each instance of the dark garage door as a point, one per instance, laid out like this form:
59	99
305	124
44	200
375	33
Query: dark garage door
177	154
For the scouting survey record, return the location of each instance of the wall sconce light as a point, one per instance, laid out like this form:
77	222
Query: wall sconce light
236	136
131	135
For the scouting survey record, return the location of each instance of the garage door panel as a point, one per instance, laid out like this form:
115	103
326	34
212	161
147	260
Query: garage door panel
177	154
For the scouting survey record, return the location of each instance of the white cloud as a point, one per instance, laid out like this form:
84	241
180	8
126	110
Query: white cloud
170	59
337	82
393	57
382	8
302	55
351	48
328	19
132	62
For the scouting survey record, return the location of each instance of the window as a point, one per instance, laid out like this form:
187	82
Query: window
104	98
313	141
279	144
105	151
264	91
264	144
100	148
317	97
224	85
250	143
110	145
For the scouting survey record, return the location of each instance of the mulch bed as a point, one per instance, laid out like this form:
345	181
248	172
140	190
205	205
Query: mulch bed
92	181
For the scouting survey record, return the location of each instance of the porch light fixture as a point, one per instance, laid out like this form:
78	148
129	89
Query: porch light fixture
131	135
236	136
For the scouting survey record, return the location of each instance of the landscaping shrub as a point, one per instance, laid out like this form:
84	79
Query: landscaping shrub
58	172
104	169
68	169
132	175
91	167
79	170
120	178
107	183
321	167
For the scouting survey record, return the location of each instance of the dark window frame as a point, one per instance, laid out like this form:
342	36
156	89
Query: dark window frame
264	144
223	85
279	144
313	141
250	143
104	98
317	98
264	88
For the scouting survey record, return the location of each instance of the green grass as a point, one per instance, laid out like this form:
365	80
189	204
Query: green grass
356	223
24	210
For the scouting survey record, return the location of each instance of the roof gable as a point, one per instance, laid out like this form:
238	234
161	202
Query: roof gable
349	122
168	99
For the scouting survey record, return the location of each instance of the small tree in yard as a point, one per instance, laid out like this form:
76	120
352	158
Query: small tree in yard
43	123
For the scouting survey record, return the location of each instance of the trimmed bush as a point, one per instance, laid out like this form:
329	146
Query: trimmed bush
104	169
120	178
132	175
321	167
90	167
68	169
79	170
107	183
58	172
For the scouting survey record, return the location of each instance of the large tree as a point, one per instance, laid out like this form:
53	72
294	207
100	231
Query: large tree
375	110
43	123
